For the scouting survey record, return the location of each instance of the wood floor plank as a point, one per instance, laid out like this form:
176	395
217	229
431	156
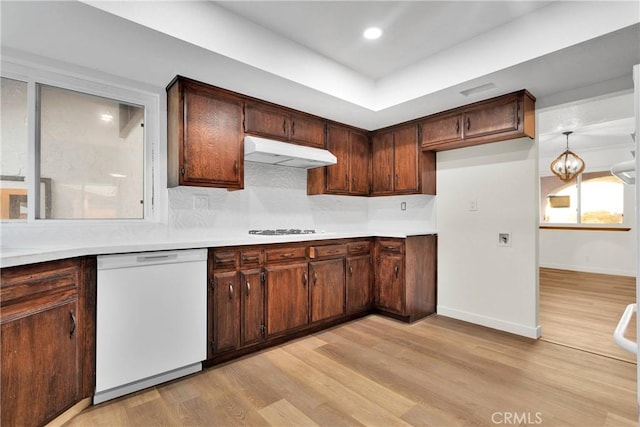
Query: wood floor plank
581	310
376	371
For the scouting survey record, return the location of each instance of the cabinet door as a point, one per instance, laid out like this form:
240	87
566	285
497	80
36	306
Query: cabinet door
40	365
359	163
359	282
252	289
382	163
287	297
338	174
225	312
496	117
406	179
390	283
441	129
266	121
307	130
212	142
327	289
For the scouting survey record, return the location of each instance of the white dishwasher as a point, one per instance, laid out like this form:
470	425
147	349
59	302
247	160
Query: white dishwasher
151	320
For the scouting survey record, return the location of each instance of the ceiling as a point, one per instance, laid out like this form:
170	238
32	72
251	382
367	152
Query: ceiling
310	55
412	30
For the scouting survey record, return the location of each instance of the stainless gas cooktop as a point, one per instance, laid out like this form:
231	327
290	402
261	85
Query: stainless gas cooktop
281	231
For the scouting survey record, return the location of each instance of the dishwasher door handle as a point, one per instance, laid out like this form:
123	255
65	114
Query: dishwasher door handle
623	324
155	258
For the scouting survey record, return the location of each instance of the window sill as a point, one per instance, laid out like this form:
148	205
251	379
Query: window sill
583	228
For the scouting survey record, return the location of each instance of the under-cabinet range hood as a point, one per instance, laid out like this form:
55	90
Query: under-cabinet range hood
261	150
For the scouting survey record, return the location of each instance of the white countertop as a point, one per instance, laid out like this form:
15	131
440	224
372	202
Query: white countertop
13	255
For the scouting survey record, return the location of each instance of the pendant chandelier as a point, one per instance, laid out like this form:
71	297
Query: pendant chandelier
567	165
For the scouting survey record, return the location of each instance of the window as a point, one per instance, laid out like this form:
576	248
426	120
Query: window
13	149
593	198
91	155
76	149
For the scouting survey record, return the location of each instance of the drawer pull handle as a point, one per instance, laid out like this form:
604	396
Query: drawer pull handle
391	248
249	258
289	255
74	323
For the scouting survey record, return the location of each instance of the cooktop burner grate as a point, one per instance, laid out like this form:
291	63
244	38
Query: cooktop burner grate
281	231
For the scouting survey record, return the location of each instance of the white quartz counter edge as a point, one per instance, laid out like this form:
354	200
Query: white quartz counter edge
14	256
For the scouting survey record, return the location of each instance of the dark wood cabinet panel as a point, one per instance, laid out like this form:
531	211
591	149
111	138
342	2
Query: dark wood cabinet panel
327	289
307	130
496	119
283	124
406	276
287	297
359	155
441	129
47	339
205	138
338	174
395	162
40	365
359	282
405	160
350	175
252	307
225	312
390	282
382	163
266	121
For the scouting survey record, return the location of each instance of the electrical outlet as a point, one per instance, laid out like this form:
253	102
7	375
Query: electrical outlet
473	204
200	202
403	206
504	239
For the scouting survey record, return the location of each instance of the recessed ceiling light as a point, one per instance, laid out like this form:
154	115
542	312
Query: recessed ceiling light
372	33
118	175
106	117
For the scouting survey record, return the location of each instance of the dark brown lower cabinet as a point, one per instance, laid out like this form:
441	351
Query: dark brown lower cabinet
252	307
225	309
48	347
287	297
359	283
327	289
406	276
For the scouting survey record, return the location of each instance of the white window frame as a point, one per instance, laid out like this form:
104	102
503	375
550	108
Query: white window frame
44	75
625	225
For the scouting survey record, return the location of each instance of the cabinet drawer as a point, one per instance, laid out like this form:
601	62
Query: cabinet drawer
19	283
250	258
225	259
283	254
358	248
391	246
334	251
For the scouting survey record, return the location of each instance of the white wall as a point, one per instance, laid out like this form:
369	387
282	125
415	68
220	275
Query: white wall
478	281
606	252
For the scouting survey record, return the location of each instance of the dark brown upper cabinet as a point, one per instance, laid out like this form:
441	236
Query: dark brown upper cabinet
504	117
398	166
204	136
350	175
283	124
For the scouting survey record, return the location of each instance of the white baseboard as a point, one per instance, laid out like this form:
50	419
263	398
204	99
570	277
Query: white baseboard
491	322
590	269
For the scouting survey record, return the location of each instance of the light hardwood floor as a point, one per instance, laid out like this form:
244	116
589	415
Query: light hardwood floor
377	371
581	310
